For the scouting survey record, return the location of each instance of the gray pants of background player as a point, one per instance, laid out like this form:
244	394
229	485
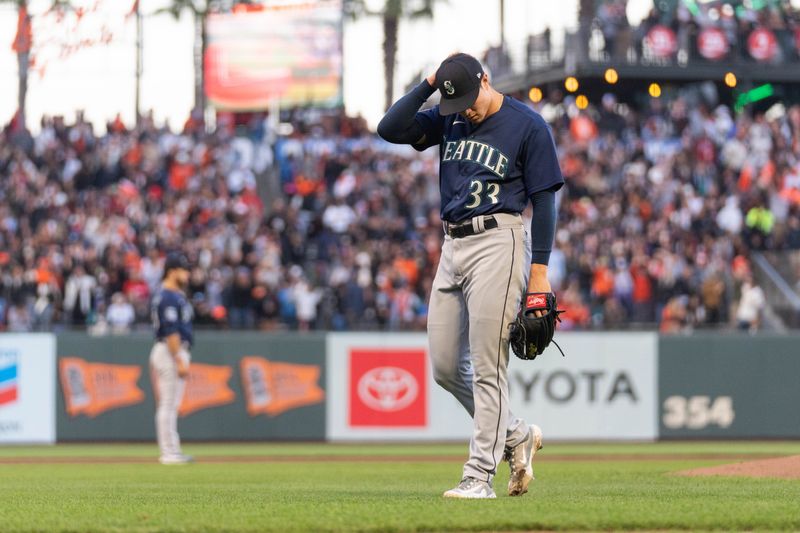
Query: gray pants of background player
475	296
170	390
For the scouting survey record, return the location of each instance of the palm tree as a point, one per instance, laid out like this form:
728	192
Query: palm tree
391	14
23	43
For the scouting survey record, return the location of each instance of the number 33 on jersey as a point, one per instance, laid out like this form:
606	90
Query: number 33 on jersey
494	166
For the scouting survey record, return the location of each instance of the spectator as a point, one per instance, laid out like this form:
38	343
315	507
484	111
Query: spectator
79	296
306	300
240	301
43	308
19	318
751	306
713	298
120	314
652	223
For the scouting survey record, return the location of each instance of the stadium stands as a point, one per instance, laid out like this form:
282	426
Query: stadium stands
328	227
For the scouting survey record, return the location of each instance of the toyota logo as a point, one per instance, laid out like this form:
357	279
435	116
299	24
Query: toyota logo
387	388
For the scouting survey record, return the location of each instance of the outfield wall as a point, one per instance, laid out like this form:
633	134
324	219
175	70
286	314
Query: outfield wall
729	386
379	387
241	386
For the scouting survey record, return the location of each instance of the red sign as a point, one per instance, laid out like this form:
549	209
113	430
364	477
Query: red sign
712	43
762	44
797	39
388	388
662	41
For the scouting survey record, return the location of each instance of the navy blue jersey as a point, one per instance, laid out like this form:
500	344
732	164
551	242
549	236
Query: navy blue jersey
494	166
172	313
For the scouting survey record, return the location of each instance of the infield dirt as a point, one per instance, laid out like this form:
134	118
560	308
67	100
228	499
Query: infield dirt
777	467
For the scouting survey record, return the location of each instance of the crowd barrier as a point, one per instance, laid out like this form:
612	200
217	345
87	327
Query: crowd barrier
251	386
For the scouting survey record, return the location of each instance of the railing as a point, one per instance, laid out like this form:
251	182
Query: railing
779	284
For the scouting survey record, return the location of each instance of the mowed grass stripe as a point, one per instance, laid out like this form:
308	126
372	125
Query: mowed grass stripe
386	496
769	448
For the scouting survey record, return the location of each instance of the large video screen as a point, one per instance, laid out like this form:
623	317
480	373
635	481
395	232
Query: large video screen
288	53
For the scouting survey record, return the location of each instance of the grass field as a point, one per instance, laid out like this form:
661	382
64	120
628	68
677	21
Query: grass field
317	487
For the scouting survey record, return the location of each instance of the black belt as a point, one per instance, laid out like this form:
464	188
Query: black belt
184	344
466	229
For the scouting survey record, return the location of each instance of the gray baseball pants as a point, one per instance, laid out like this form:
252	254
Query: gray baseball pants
475	296
170	390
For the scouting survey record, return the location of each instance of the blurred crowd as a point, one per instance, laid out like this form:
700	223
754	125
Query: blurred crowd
604	26
319	224
663	208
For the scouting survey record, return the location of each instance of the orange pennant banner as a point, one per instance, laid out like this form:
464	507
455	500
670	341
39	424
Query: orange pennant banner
206	386
273	387
94	388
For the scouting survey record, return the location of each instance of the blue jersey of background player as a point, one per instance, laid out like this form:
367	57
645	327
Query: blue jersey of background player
170	356
173	314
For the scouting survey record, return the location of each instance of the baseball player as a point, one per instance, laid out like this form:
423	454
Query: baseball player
495	156
169	359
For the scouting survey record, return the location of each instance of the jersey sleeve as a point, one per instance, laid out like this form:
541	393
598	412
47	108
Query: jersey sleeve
169	315
432	124
540	161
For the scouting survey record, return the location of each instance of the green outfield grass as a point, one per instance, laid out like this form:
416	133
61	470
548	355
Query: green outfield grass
351	495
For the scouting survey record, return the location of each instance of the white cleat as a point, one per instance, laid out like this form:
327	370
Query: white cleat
175	459
471	488
520	459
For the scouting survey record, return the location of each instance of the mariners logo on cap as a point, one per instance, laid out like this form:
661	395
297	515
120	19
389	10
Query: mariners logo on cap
459	82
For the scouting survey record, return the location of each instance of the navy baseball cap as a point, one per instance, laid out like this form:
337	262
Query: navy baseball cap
459	82
175	260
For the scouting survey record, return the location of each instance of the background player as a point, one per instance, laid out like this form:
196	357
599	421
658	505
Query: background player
170	357
495	155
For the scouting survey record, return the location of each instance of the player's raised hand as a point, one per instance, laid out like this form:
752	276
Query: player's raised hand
431	79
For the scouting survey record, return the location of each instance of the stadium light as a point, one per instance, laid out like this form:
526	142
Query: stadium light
730	79
535	95
654	90
582	102
571	84
611	76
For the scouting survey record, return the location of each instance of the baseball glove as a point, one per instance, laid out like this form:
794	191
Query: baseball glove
531	334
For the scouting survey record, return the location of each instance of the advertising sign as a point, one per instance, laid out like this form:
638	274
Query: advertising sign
712	43
274	387
662	41
380	387
94	388
762	44
207	386
605	387
284	52
388	388
27	388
